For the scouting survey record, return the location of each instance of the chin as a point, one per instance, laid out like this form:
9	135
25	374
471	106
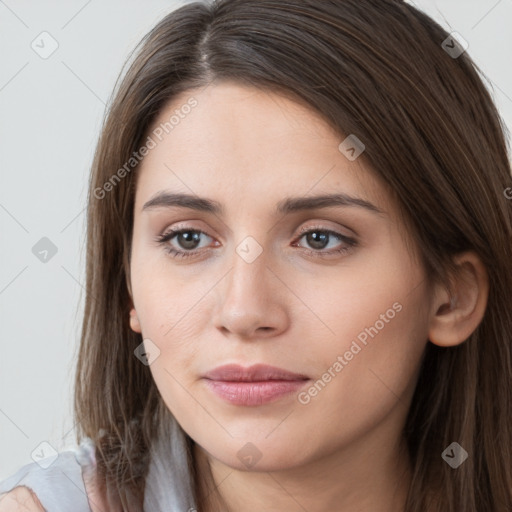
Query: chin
256	456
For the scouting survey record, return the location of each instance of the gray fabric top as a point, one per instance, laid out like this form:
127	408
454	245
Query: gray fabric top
60	487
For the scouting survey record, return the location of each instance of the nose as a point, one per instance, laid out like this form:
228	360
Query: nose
251	301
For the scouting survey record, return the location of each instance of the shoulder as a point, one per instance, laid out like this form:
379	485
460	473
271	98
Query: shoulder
55	485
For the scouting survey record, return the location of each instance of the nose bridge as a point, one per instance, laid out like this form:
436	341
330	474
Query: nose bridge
248	277
247	301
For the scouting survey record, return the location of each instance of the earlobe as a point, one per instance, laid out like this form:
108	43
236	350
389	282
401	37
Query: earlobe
457	312
134	321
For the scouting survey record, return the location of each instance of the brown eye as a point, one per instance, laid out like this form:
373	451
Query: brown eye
182	243
317	240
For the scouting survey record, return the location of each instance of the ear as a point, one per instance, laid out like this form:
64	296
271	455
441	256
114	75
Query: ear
134	320
457	312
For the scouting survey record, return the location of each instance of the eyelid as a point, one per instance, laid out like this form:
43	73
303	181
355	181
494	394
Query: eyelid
320	225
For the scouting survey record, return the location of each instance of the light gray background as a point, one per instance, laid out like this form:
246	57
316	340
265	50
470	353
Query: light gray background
50	113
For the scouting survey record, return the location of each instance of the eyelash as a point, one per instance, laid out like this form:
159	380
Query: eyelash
174	253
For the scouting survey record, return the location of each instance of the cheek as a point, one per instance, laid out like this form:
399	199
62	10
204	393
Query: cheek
169	304
372	364
361	300
376	315
172	315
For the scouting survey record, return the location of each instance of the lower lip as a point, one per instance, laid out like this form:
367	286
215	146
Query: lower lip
254	393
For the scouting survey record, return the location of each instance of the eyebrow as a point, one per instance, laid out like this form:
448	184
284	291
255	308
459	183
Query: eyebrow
165	199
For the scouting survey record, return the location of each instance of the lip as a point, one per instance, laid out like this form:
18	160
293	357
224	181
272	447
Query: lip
254	373
254	385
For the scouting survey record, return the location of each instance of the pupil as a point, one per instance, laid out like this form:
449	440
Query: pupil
317	240
190	240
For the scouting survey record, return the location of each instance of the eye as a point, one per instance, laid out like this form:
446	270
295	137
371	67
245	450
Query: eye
186	244
319	239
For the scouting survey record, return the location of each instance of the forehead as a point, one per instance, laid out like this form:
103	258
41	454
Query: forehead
244	144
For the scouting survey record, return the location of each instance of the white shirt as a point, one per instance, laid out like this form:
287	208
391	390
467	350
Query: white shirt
60	487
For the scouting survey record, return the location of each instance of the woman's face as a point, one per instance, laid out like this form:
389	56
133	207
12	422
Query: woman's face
265	274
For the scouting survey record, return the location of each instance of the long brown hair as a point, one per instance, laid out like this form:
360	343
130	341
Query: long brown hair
374	68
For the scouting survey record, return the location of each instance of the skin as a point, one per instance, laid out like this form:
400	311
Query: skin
20	499
248	149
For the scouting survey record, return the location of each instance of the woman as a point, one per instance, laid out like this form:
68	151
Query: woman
298	277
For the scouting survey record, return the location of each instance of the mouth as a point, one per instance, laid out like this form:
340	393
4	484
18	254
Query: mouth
255	385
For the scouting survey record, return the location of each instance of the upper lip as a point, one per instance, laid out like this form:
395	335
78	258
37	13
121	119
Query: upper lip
254	373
